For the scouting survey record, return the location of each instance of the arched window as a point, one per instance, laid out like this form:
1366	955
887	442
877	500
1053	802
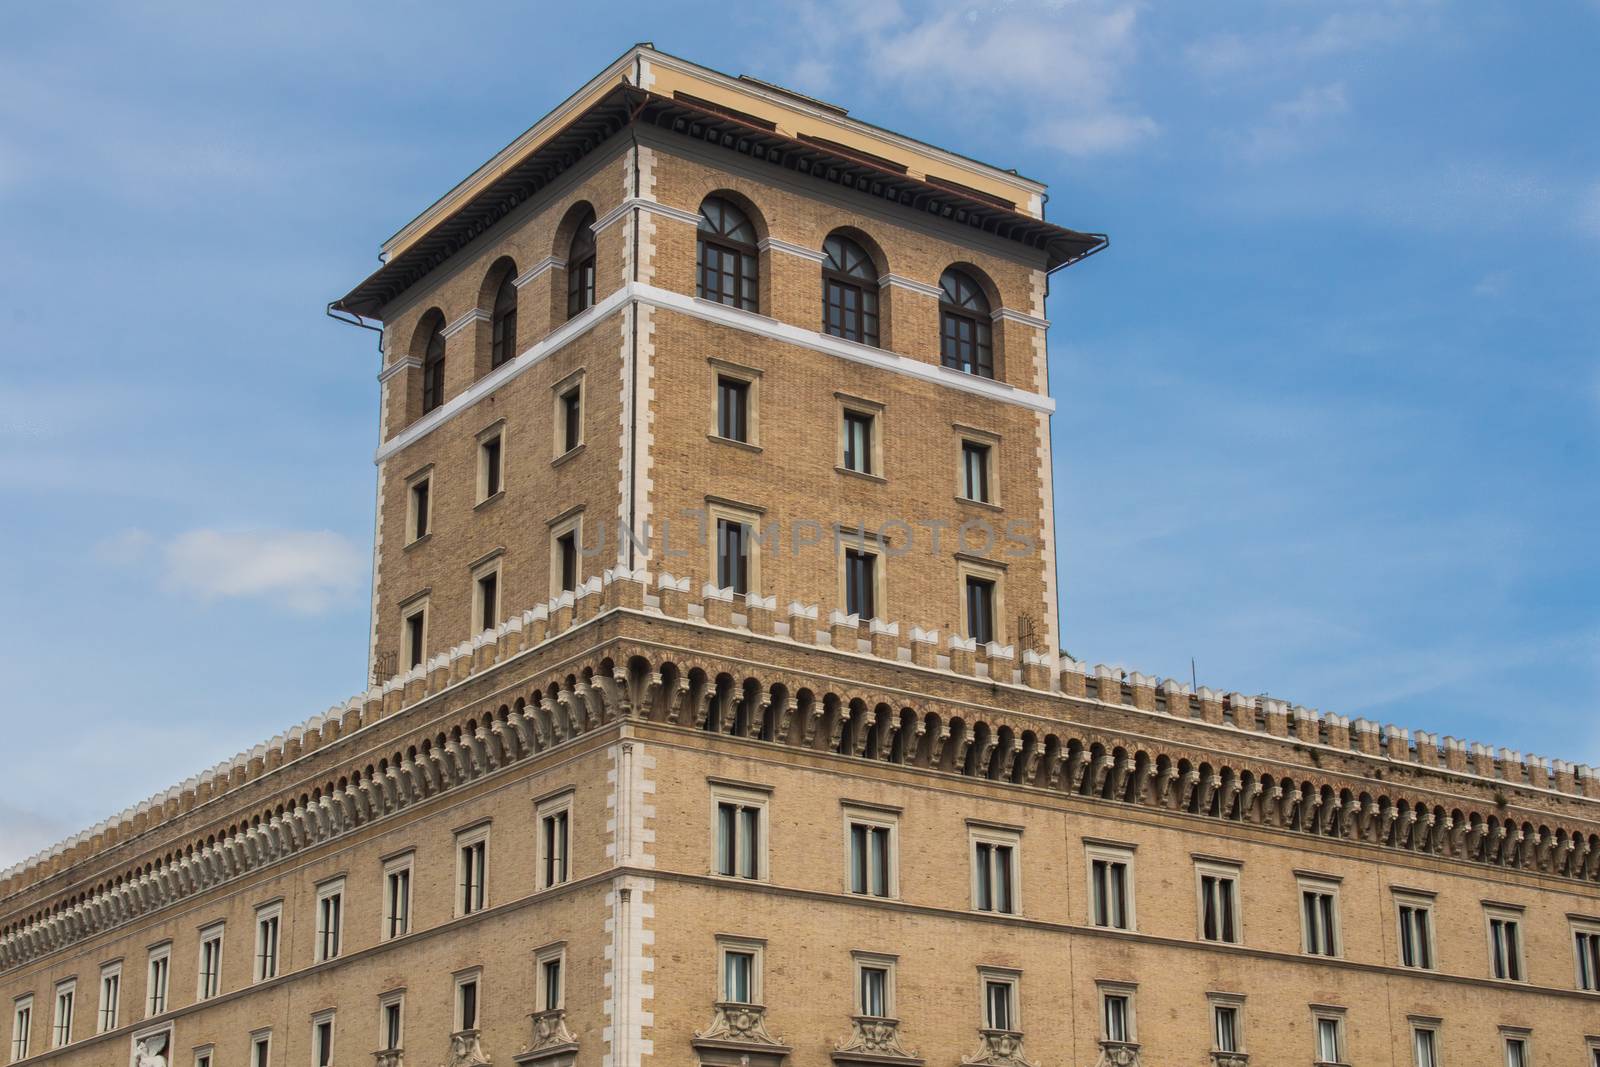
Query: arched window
580	266
433	367
849	291
965	343
503	321
727	254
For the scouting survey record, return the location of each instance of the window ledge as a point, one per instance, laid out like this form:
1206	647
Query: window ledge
880	479
987	505
746	445
490	499
417	541
569	454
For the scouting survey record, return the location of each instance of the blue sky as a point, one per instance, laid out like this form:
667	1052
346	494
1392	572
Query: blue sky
1329	405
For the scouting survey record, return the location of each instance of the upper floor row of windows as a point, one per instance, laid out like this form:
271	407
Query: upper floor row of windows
727	271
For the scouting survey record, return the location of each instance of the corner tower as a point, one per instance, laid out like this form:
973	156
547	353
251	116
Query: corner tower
707	327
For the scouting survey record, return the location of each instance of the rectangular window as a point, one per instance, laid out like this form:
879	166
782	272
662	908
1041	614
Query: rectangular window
994	869
391	1021
565	539
1416	932
21	1026
486	595
1505	944
733	556
110	996
870	840
490	451
61	1031
416	637
1425	1044
975	471
156	988
1111	886
555	836
739	833
330	920
1000	1002
1319	917
472	855
1329	1037
1586	945
322	1040
1219	903
261	1050
860	583
550	993
397	897
269	928
733	408
210	970
741	962
874	985
419	511
203	1056
467	1003
1517	1051
1227	1025
980	609
1116	1016
570	407
858	442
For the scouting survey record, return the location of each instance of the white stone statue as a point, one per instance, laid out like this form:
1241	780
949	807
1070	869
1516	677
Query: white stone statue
149	1051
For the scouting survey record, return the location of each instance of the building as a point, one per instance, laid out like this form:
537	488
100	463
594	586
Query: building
688	742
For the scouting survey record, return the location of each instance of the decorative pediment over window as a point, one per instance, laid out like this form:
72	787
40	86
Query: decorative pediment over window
738	1037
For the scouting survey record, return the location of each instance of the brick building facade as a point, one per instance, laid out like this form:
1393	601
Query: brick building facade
716	712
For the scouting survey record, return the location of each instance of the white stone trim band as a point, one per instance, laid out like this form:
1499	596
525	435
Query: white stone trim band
901	282
533	272
467	319
409	363
653	206
774	245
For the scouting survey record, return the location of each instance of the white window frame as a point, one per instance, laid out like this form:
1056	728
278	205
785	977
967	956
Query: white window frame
471	976
862	961
1306	882
995	574
205	1055
1232	871
1584	926
405	863
874	818
558	422
1419	1025
415	607
208	934
1520	1035
979	833
479	571
747	515
423	475
106	1021
1493	911
756	948
561	526
326	1017
265	913
491	433
61	1028
329	890
1334	1014
1419	901
546	809
1111	852
854	540
1128	992
395	998
1010	978
742	795
162	954
21	1027
1233	1002
966	435
751	378
554	953
466	838
258	1039
873	412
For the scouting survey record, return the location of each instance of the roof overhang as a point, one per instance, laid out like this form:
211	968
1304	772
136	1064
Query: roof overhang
627	105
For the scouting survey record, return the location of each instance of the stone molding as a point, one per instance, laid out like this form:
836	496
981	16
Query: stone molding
998	1048
874	1041
1027	750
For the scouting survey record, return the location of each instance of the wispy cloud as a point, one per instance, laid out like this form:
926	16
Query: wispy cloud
1276	49
302	570
1293	124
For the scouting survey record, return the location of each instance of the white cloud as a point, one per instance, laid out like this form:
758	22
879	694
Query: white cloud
1232	55
1093	135
1292	125
302	570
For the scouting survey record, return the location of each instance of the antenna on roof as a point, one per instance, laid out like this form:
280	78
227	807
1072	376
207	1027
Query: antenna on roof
1194	682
